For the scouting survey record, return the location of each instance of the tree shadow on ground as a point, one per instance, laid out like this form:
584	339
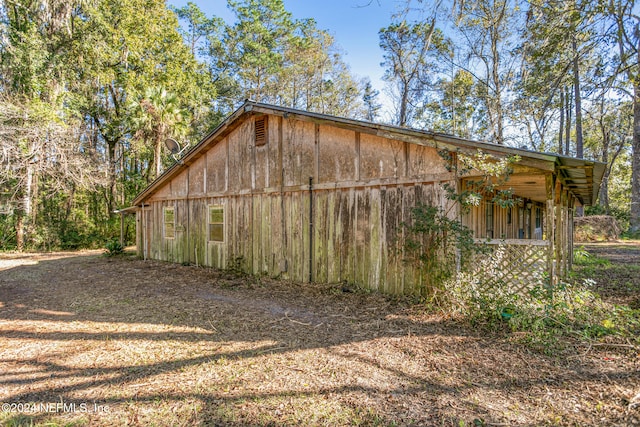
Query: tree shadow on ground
243	351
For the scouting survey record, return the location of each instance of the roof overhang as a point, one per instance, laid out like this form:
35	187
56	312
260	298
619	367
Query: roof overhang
583	177
131	210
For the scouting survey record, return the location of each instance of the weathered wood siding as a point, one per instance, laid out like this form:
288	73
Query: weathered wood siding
517	222
364	187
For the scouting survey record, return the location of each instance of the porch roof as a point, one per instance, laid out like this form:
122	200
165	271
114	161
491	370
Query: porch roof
582	177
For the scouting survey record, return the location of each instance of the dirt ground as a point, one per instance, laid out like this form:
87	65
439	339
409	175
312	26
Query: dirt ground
618	282
120	341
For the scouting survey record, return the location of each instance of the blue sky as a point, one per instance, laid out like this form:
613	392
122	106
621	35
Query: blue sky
353	23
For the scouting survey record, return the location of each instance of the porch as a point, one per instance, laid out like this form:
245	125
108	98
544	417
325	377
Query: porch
531	242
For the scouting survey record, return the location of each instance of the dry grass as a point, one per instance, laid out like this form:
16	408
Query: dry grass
142	343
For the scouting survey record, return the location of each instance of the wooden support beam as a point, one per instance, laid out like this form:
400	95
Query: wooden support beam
316	154
576	167
561	234
550	190
571	207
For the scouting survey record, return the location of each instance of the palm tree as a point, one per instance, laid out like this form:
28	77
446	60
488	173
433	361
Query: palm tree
157	115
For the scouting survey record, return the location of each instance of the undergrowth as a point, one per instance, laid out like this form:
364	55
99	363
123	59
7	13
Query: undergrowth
546	315
583	258
113	248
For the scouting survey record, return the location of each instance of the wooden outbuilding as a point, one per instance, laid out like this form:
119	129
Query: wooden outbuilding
309	197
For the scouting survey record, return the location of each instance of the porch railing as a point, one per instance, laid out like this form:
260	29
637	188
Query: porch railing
516	265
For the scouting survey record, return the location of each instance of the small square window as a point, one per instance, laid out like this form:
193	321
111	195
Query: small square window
216	224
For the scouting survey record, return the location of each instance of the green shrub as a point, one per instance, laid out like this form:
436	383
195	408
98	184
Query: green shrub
544	314
436	242
114	248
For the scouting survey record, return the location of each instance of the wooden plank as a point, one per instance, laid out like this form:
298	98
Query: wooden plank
550	189
349	222
380	158
256	235
270	265
357	141
333	234
337	157
425	161
294	211
276	251
196	178
321	236
298	152
363	238
197	233
374	243
410	277
316	157
514	242
393	212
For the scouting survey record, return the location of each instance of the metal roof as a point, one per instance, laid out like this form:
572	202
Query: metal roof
582	176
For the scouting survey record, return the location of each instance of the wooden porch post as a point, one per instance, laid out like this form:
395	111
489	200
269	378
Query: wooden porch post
567	247
551	221
122	229
570	211
561	236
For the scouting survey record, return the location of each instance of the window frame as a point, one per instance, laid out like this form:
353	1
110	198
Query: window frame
538	220
211	223
489	219
261	131
165	211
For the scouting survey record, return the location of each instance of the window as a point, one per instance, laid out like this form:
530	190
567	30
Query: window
168	214
509	216
537	233
489	217
261	131
216	224
538	218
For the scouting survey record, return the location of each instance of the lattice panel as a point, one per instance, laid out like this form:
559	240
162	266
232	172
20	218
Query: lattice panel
514	268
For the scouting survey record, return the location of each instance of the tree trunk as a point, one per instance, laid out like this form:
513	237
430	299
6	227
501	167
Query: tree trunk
561	126
497	103
567	126
603	196
578	102
634	220
157	158
402	120
19	231
111	159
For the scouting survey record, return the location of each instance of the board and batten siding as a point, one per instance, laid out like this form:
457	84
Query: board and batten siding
516	222
364	187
